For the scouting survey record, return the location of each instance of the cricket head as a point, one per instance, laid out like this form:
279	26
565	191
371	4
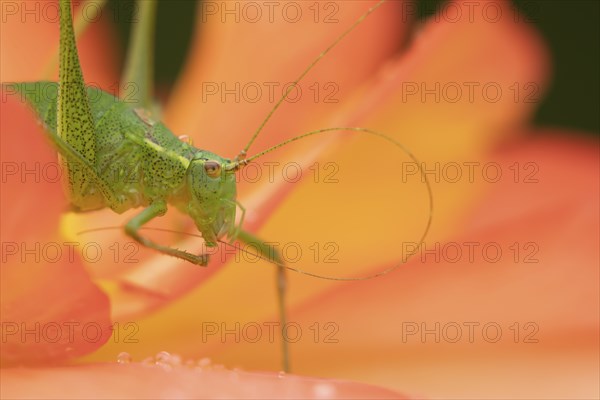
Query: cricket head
212	189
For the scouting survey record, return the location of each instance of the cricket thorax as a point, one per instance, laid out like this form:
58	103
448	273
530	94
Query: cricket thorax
142	160
166	168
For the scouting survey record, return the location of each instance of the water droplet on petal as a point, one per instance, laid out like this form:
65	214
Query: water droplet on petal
163	357
204	362
324	391
124	358
175	360
281	374
165	360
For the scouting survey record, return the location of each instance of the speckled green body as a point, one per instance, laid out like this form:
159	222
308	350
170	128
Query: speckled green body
142	162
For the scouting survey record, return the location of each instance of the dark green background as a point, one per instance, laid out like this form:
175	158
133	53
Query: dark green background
571	28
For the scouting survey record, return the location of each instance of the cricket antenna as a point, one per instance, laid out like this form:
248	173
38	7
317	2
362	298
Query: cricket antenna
243	153
237	164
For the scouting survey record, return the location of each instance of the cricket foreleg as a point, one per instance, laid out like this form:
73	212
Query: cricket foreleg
270	253
238	227
157	209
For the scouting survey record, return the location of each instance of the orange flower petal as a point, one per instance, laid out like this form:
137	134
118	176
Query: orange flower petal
30	39
50	308
140	381
452	324
437	130
51	311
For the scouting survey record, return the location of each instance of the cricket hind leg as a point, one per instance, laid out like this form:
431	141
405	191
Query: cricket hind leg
271	254
157	209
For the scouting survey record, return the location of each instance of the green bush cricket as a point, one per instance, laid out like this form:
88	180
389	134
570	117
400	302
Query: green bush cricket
106	136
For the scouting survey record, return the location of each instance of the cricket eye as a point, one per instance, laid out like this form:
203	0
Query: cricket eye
212	168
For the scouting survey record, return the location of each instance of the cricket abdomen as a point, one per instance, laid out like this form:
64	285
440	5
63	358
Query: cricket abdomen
139	159
131	161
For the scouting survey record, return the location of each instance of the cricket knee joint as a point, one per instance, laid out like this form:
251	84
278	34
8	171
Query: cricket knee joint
203	260
131	229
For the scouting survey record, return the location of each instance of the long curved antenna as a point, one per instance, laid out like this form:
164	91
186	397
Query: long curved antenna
240	163
303	74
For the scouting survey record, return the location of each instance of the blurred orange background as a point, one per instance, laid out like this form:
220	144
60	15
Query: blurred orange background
502	300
